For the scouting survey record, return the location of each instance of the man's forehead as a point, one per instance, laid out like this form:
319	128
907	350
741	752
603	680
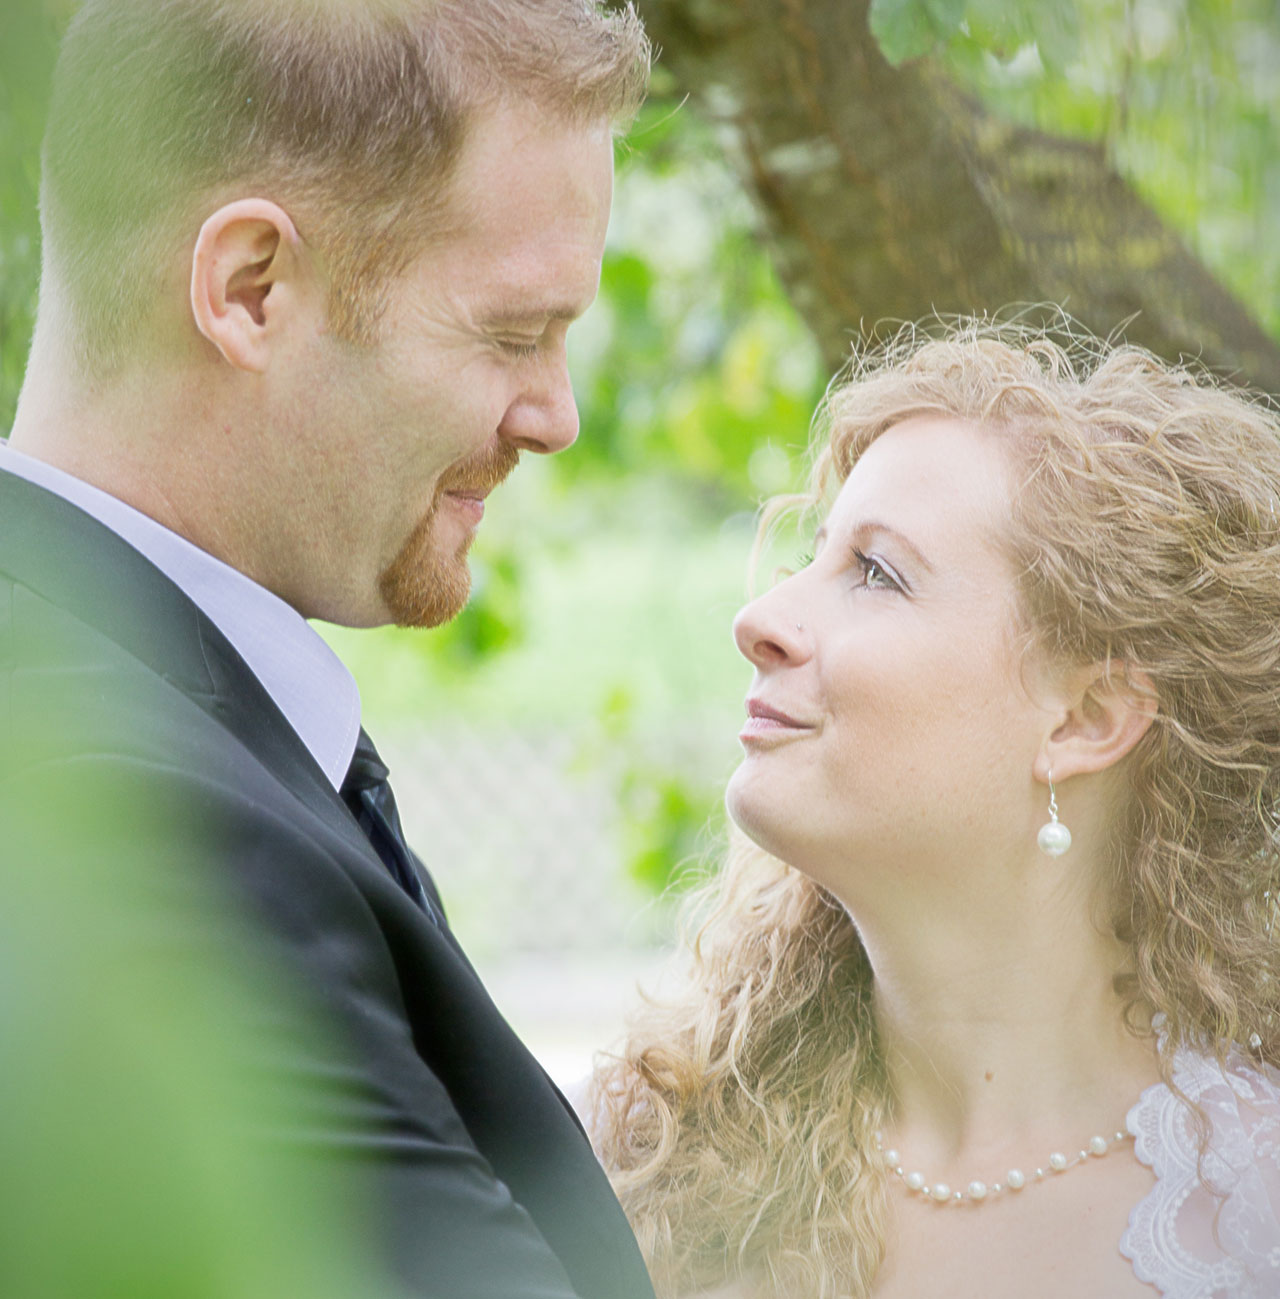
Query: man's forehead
517	159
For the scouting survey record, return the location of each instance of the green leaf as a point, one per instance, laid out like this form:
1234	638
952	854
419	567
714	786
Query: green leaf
946	15
904	29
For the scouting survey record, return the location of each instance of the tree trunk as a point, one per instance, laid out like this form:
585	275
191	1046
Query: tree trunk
888	194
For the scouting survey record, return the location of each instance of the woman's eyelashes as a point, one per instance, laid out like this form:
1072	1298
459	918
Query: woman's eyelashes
875	574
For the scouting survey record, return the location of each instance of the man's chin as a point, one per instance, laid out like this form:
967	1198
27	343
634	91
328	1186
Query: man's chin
428	598
427	585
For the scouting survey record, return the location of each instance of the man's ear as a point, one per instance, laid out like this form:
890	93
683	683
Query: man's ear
1106	710
250	274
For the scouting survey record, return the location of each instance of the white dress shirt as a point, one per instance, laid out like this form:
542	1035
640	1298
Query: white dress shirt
306	679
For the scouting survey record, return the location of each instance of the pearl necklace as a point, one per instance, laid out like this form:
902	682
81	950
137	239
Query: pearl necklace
1014	1179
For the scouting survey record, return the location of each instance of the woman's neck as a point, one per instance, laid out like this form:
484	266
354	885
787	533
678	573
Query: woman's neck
1003	1029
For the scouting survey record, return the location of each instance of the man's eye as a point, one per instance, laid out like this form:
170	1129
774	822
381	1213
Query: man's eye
518	346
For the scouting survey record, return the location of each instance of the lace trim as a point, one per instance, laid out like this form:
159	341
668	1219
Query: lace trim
1182	1238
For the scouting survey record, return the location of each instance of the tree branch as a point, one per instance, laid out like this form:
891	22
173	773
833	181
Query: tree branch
888	194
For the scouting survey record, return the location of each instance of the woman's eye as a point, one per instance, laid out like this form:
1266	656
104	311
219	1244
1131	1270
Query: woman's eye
874	574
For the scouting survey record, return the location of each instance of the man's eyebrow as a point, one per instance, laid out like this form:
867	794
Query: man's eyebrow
523	312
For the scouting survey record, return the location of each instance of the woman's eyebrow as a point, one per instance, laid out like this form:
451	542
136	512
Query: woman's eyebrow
869	527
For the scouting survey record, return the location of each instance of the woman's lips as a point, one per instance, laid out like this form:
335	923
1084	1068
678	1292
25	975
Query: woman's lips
765	722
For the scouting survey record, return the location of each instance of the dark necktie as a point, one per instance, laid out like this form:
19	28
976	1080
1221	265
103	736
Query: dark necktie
368	794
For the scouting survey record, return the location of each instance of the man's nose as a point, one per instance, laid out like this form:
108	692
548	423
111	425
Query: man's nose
544	416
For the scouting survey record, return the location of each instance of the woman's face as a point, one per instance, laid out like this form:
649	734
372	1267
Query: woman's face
889	719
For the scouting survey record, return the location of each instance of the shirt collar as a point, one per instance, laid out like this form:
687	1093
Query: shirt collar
304	677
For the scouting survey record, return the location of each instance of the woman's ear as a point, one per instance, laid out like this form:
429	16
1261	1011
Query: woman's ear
1106	710
249	277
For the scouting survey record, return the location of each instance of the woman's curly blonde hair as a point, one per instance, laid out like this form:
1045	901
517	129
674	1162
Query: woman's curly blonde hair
738	1120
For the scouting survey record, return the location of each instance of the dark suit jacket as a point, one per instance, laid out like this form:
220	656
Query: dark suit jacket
480	1181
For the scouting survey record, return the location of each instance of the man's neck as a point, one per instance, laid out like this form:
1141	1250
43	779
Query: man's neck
139	438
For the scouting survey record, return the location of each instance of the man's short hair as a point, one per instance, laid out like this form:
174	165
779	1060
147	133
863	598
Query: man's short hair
349	113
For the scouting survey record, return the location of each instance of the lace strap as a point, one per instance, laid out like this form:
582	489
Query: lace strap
1211	1230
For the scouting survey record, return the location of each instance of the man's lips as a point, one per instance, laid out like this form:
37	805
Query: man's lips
477	477
470	496
765	721
469	502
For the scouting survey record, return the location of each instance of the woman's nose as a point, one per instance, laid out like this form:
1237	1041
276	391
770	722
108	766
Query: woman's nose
770	632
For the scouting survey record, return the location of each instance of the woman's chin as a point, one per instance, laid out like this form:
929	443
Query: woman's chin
755	813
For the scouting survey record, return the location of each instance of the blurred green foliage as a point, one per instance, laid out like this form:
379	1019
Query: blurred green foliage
693	359
28	42
669	801
138	1080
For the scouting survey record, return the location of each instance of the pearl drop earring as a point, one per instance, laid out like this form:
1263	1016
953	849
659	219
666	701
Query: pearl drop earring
1054	837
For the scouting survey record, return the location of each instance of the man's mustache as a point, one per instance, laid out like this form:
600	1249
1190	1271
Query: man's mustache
479	474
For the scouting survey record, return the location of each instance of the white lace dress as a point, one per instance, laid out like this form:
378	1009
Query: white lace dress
1182	1238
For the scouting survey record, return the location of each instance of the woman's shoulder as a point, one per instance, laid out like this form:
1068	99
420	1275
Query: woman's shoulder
1210	1226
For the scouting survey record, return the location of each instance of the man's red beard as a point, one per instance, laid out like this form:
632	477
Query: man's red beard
421	587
